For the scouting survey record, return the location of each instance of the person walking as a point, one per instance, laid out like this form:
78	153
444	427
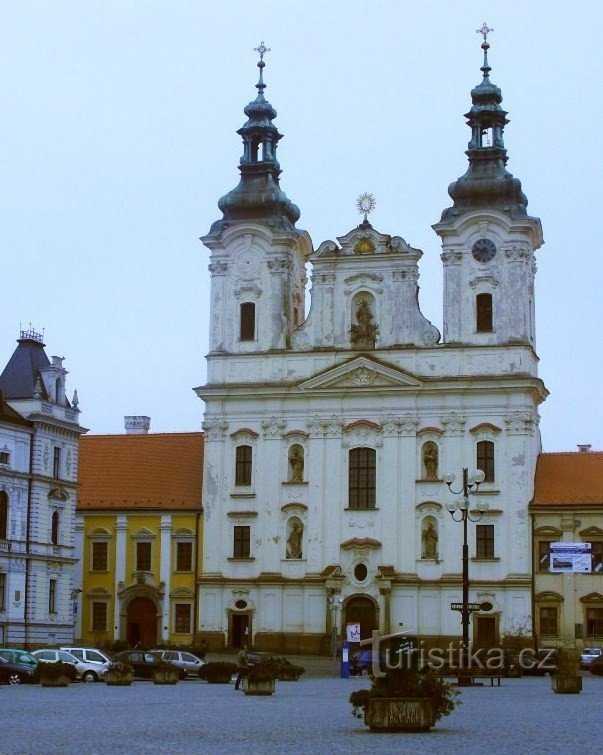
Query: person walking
243	664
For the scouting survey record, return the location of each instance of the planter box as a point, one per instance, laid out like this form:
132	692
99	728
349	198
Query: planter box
289	675
118	679
257	686
169	676
566	685
399	714
59	681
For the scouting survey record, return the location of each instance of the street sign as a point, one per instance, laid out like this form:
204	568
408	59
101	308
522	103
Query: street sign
470	606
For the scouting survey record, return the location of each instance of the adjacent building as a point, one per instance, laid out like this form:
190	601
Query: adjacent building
568	508
39	438
140	532
327	436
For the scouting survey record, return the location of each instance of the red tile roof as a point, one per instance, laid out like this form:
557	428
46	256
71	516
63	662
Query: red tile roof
569	478
155	471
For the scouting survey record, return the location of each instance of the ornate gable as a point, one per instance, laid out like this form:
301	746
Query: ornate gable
360	373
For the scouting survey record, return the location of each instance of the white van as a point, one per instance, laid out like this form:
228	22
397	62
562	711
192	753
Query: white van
95	660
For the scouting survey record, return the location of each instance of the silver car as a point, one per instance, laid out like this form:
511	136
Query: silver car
47	655
95	661
188	663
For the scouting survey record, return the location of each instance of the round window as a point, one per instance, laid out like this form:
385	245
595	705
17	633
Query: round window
486	606
241	604
360	572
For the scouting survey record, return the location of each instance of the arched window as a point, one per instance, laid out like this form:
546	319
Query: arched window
54	535
243	462
485	459
57	392
362	475
3	515
247	332
483	313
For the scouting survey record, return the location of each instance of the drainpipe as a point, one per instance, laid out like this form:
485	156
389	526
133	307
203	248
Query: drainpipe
27	540
533	583
197	554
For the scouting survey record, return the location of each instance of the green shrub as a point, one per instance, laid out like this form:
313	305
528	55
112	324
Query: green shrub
408	683
57	669
217	672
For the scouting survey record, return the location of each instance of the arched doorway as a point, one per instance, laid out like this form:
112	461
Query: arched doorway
142	622
362	610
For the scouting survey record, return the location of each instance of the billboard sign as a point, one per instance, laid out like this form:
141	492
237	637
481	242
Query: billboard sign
570	558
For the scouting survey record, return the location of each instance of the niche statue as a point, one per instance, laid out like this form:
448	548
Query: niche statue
364	332
294	541
430	542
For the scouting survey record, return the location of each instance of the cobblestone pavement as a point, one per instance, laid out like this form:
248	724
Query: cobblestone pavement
309	716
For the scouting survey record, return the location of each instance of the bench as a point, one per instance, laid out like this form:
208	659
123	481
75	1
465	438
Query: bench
467	677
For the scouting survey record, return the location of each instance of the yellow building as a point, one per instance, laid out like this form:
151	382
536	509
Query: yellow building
140	532
568	507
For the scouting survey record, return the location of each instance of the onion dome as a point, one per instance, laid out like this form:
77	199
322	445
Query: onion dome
487	183
258	195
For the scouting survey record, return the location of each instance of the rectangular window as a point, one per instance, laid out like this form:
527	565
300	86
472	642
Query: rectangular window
544	555
52	596
183	618
484	541
243	465
362	476
184	556
99	616
594	622
548	622
485	459
596	550
242	541
143	556
4	457
99	556
483	306
56	463
247	321
2	591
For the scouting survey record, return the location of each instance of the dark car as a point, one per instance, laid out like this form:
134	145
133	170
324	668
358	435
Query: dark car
17	673
142	663
596	666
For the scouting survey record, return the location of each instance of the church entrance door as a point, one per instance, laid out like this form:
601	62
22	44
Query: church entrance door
363	611
142	622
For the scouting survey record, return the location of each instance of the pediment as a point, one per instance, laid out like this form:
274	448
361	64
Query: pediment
365	240
359	373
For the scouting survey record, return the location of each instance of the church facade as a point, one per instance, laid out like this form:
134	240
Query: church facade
328	435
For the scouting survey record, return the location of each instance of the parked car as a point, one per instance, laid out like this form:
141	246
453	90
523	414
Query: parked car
48	655
596	666
188	663
12	672
588	655
142	662
15	655
96	662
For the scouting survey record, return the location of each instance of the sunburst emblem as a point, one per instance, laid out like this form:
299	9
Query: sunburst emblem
365	204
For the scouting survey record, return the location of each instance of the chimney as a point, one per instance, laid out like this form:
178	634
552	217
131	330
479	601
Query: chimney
584	448
137	425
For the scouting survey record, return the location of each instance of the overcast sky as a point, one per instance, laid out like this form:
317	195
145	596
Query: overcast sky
117	138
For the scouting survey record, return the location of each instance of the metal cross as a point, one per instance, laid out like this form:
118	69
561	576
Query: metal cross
262	49
484	31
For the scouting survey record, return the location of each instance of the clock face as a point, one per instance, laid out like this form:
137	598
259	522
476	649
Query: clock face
248	264
484	250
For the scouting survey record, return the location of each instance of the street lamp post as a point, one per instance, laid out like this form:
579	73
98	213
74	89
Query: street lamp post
459	511
334	605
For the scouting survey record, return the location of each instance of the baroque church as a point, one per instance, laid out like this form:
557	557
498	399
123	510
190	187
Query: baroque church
330	436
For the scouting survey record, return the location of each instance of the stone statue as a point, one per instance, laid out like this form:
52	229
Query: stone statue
363	334
294	541
430	460
296	464
430	542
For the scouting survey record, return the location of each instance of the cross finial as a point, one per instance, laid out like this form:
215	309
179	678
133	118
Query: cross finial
484	31
262	49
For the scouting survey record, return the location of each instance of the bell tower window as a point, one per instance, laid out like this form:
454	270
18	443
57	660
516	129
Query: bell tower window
483	313
247	332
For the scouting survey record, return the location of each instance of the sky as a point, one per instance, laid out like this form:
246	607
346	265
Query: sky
117	138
